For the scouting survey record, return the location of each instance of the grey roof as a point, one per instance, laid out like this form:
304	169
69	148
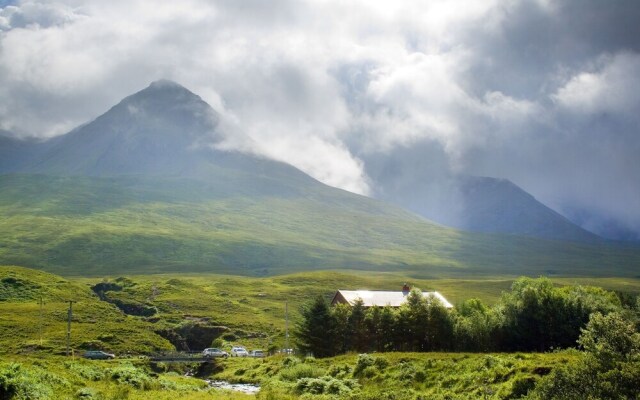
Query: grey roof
383	298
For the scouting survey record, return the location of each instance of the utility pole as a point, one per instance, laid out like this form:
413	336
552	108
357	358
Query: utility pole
69	316
286	326
40	327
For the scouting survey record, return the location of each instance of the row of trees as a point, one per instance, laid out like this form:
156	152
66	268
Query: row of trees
534	316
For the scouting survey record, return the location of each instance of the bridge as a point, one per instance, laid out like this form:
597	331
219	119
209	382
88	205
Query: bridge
181	356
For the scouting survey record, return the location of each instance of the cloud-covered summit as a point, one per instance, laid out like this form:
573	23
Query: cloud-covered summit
543	93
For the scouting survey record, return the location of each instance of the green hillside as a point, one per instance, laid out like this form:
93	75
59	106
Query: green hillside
144	313
26	326
93	226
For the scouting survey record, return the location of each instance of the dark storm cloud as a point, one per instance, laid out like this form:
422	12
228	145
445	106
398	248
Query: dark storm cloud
538	41
364	95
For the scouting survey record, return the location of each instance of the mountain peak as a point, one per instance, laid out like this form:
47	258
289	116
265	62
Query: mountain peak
165	83
165	91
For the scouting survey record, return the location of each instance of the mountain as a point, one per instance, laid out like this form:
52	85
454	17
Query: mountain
143	189
477	204
163	130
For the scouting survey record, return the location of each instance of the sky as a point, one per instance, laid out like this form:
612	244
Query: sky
544	93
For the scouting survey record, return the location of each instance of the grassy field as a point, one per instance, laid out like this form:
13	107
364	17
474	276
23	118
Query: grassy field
86	226
198	307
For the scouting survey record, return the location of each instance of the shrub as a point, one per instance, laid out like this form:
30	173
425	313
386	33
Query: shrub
20	383
132	376
364	361
326	385
369	372
299	371
521	387
420	376
289	361
407	372
85	371
339	371
381	363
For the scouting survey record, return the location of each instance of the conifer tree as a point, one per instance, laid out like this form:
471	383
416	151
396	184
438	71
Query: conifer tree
315	332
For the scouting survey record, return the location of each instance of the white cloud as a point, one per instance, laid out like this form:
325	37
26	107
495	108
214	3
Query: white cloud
612	86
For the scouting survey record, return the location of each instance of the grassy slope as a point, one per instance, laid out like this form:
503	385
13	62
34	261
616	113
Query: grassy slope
253	308
22	327
83	226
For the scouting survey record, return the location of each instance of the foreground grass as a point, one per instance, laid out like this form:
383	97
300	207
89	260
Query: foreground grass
66	378
379	376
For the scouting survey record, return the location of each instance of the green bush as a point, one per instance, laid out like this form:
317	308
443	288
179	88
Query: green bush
407	372
381	363
326	385
298	371
609	369
339	371
86	371
364	361
370	372
289	361
521	387
132	376
17	382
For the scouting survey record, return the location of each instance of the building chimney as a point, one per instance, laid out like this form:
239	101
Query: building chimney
406	287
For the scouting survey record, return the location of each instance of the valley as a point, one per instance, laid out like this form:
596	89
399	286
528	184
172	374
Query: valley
163	240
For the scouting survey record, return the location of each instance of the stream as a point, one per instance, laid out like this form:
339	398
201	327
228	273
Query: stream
247	388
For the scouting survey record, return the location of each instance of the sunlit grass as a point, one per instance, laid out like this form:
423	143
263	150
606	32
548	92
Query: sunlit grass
92	226
252	308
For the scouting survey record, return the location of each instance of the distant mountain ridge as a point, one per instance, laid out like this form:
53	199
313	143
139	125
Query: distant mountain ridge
478	204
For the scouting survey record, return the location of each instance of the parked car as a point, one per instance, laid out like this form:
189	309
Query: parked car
213	352
98	355
239	351
256	353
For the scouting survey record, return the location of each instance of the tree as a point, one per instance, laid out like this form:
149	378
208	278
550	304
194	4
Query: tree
412	323
439	325
357	329
372	323
539	316
475	327
609	368
342	340
386	331
315	332
610	339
